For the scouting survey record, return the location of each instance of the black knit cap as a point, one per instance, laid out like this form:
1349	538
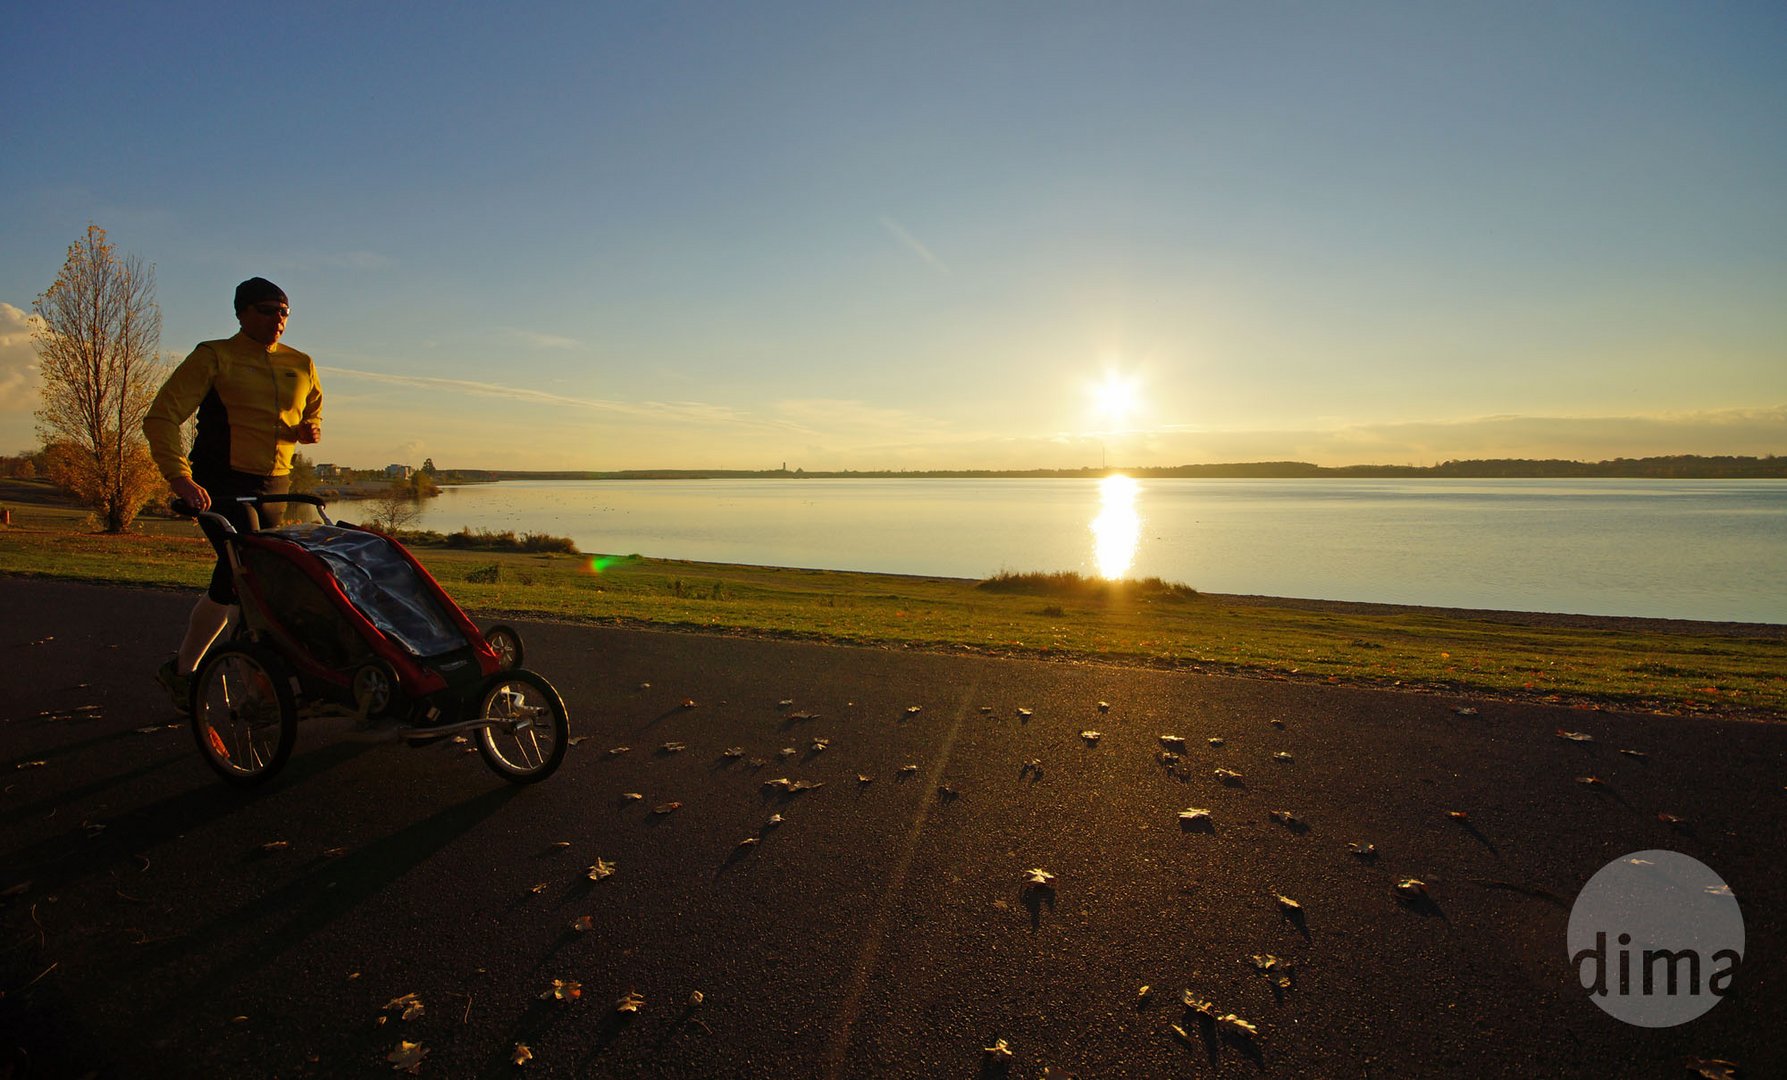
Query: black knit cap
258	290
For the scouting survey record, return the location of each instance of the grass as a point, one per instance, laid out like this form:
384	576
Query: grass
1154	623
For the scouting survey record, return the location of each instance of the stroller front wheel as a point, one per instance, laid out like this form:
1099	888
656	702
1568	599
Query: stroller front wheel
526	728
244	716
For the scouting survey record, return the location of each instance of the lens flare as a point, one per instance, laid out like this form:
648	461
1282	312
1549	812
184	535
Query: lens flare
1118	527
599	563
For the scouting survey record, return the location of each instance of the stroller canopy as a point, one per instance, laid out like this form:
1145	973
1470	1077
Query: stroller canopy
381	584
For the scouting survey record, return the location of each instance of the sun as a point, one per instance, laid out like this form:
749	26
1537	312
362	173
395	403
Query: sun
1116	398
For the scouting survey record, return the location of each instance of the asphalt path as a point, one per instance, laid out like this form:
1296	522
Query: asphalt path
156	923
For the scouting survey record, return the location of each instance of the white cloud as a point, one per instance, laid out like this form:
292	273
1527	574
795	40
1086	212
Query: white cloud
18	361
544	341
914	244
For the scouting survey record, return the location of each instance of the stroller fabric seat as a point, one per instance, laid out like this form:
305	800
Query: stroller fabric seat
381	583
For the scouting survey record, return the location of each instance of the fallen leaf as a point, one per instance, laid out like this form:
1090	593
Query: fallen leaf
1591	781
1277	723
667	808
1672	820
616	751
820	744
1194	815
31	764
864	778
1285	818
908	768
522	1054
779	782
409	1006
696	998
749	841
602	869
784	703
774	820
1275	969
630	1003
1026	713
563	990
1458	815
1282	756
803	716
1172	742
986	710
540	888
806	785
914	710
1038	878
787	751
561	844
631	796
1575	736
583	922
1092	736
1228	776
1465	710
275	845
1287	905
575	739
1000	1051
733	752
1234	1025
1199	1005
674	747
1363	851
1713	1068
1411	889
1635	753
1216	740
1142	993
1104	706
407	1057
688	703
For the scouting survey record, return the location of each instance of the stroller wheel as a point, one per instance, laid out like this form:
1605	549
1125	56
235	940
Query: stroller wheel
506	640
527	728
243	715
375	686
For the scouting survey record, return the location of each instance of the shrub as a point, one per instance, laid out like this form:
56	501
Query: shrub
485	575
1070	584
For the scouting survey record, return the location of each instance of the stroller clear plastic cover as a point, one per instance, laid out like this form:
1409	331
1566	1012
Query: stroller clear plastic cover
381	584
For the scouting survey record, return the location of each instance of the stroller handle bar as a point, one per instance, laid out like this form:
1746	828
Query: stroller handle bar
217	526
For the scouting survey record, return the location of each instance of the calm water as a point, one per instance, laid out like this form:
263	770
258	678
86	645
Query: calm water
1693	549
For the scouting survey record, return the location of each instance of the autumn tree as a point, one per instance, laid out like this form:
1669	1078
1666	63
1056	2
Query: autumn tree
98	338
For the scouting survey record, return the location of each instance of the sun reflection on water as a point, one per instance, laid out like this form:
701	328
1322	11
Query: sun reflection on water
1117	528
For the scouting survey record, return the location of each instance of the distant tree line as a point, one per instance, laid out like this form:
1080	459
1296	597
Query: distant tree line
1673	467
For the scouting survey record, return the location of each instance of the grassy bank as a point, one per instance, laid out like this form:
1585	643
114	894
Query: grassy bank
1616	663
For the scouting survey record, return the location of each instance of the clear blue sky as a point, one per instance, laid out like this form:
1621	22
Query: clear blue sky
607	235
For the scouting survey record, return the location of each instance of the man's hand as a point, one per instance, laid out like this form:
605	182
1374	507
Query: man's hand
191	493
310	431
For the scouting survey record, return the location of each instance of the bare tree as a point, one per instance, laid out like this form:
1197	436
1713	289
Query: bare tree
396	509
98	341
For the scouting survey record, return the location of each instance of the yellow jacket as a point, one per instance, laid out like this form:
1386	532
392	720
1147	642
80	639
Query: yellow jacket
251	400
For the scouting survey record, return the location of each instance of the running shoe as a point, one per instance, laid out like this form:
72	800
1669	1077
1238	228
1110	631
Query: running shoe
178	686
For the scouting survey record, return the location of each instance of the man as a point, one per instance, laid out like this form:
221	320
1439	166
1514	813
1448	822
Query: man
255	400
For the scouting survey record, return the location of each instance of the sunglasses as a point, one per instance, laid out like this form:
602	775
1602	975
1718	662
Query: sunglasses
271	310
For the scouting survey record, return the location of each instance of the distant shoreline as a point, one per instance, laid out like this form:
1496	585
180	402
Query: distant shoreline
1677	467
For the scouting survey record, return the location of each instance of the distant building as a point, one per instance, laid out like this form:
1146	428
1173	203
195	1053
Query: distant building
328	471
398	472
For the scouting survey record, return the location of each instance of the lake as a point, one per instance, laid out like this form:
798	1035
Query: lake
1689	549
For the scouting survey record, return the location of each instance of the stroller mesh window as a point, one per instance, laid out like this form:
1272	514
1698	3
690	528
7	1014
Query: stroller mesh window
305	610
381	584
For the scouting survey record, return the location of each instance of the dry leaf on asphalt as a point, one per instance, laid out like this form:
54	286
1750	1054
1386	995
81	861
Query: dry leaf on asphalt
1104	706
774	820
749	841
1172	742
616	751
1671	819
275	845
1234	1025
1411	889
409	1006
784	703
1285	818
914	710
1635	753
630	1003
562	990
1282	756
779	782
602	869
1575	736
1591	781
1276	969
667	808
583	922
1142	993
864	778
806	785
631	796
688	703
1228	776
1194	815
1026	713
1092	736
674	747
733	752
540	888
908	768
787	751
1363	851
407	1057
1038	878
522	1054
1199	1005
1713	1068
1458	815
1216	740
820	744
1287	905
999	1052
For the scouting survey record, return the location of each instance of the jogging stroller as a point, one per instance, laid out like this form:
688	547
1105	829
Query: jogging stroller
338	619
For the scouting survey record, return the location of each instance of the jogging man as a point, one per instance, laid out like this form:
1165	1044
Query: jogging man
255	399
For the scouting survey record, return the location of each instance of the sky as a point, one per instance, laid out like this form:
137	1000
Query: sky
937	235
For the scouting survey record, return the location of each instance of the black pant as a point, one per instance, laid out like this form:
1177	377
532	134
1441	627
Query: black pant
224	489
